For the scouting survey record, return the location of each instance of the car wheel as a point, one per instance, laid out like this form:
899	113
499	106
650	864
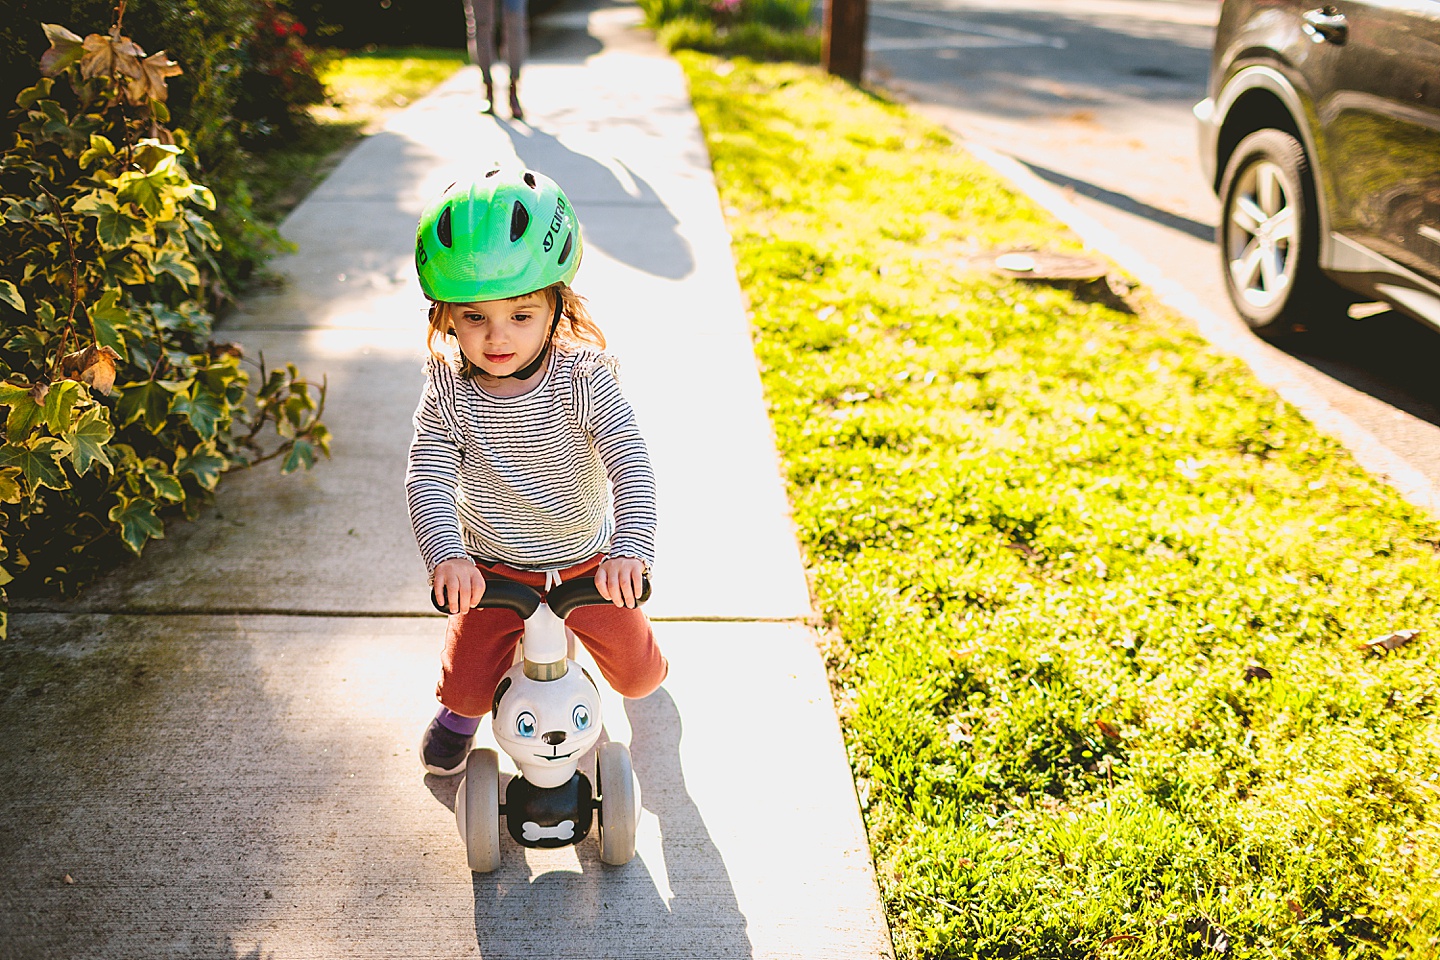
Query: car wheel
1269	237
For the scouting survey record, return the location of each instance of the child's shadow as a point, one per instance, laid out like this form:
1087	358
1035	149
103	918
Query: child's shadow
606	911
647	237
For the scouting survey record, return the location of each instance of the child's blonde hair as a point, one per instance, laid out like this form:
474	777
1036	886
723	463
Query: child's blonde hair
575	326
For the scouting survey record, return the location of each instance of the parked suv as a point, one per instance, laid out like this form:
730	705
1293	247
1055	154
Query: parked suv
1321	137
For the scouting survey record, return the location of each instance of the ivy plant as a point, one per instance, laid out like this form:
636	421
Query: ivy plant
120	409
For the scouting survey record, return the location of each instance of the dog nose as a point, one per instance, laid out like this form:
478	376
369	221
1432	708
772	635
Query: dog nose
554	737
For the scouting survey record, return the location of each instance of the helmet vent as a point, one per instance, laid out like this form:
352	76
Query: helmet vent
519	220
442	228
565	250
529	179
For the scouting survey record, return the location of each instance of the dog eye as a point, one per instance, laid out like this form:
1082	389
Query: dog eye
525	724
581	716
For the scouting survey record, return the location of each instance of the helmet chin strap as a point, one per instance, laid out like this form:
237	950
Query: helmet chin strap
528	371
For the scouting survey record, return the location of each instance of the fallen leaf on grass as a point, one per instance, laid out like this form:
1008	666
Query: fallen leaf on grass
1256	672
1117	938
1108	729
1392	641
69	879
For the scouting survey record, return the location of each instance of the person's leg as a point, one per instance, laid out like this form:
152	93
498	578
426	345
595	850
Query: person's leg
622	644
479	648
480	41
517	48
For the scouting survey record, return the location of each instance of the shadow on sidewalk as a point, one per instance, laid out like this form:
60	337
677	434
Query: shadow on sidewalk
647	239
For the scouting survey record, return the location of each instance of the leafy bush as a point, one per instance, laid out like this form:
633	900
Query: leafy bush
763	29
243	81
121	408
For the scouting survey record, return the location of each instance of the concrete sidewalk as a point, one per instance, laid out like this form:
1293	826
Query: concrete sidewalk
212	752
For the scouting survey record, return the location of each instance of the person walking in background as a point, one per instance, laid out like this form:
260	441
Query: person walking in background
480	39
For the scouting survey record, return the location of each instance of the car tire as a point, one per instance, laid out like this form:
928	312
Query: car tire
1269	235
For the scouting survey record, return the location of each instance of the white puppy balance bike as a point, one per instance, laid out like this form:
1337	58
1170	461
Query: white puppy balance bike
546	715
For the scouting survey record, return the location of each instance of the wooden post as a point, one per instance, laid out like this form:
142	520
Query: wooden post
844	41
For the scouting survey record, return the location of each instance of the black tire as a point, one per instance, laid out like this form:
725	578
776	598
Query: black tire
1269	238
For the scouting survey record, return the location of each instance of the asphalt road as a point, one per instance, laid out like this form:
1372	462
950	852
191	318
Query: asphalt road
1088	103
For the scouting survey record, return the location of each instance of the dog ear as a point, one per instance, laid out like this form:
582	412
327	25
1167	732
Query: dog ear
500	692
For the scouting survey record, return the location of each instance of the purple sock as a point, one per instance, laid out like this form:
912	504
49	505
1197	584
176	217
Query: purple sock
465	726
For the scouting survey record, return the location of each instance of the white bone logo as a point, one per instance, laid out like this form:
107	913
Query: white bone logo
564	830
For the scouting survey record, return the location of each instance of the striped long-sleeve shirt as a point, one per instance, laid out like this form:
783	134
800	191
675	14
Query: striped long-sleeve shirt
523	480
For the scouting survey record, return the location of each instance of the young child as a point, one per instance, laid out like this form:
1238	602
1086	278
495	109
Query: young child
520	438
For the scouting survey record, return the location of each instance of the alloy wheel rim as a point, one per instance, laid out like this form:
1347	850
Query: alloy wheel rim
1262	234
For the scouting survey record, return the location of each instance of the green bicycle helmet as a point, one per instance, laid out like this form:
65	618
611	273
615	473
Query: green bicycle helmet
505	234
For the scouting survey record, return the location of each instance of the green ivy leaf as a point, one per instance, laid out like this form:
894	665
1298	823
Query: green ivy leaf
202	463
107	317
301	455
165	484
148	400
59	404
37	462
10	485
100	150
25	413
149	191
30	96
174	263
113	226
87	441
203	409
202	229
10	296
138	522
204	196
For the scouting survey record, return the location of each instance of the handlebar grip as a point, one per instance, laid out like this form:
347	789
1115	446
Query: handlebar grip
504	595
582	592
563	598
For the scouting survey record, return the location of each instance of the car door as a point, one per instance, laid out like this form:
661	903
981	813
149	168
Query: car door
1378	62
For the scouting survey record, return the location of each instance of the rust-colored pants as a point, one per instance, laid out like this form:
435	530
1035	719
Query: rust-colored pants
480	645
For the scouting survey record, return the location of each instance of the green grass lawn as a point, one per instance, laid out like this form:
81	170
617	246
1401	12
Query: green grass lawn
1096	601
363	88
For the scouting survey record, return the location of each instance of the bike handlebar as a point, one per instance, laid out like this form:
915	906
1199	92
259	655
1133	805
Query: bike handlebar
563	598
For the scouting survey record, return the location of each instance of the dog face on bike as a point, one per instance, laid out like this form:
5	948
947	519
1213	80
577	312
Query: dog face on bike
546	726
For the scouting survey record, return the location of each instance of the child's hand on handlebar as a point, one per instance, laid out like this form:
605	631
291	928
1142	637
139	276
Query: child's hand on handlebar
621	580
458	585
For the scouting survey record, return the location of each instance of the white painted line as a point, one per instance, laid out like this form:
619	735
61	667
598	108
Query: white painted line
940	43
1018	37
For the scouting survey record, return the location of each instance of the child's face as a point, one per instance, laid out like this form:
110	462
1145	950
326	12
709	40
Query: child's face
501	336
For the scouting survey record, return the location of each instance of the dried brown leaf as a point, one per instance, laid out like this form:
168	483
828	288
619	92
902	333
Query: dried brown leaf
1256	672
94	365
150	85
105	56
1391	641
1108	729
65	48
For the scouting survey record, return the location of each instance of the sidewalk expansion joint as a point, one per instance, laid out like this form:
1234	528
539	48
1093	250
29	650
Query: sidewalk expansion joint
338	614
